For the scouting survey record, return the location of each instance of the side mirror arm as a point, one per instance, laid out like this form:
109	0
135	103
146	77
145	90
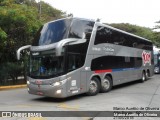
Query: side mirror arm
20	49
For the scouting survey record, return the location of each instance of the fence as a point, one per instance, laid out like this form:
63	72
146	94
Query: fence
7	82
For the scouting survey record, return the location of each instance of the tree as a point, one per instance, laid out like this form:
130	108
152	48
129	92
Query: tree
19	22
157	33
49	13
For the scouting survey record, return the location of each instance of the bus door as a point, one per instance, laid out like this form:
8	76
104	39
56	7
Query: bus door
73	83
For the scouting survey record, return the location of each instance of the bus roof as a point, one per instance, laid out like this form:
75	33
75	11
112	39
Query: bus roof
105	25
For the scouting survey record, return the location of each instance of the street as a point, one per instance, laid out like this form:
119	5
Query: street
134	94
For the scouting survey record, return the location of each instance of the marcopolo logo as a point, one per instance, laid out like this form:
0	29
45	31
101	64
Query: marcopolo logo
146	56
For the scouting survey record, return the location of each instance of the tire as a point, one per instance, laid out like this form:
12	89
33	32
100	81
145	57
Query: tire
147	75
143	77
107	84
94	87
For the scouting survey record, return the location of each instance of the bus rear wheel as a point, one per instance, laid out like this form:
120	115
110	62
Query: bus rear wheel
107	84
94	87
147	74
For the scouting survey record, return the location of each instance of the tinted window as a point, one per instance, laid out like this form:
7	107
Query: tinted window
103	35
80	27
52	32
157	59
107	35
67	28
76	57
46	66
77	51
114	62
75	61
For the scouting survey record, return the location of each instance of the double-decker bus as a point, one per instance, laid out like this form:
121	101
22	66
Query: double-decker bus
72	56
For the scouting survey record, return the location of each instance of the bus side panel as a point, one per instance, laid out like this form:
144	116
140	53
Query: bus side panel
73	83
126	64
83	85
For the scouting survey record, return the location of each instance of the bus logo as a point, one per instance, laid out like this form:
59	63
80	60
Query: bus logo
38	82
146	56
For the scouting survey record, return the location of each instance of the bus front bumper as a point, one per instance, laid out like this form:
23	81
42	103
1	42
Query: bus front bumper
58	91
156	70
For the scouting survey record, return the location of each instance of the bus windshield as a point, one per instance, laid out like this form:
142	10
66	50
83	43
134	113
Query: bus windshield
56	31
46	66
52	32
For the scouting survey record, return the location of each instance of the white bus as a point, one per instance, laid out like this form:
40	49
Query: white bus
72	56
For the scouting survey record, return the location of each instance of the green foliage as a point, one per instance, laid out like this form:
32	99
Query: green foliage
157	39
10	70
157	34
49	13
19	21
3	36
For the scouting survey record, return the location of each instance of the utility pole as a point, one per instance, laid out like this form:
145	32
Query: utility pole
40	9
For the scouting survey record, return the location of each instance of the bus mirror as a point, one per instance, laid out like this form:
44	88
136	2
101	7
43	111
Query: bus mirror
20	49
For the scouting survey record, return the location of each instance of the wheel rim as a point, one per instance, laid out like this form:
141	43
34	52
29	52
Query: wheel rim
93	86
106	84
143	77
147	74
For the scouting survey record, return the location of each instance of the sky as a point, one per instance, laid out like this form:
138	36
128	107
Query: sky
137	12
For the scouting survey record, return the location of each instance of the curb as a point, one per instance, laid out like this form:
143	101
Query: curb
13	87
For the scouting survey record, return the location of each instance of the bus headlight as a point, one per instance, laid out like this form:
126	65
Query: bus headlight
59	83
56	84
28	82
58	91
156	69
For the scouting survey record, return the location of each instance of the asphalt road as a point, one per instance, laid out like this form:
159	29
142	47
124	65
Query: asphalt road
132	95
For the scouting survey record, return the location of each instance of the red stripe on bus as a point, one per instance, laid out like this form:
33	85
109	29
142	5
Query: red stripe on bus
103	71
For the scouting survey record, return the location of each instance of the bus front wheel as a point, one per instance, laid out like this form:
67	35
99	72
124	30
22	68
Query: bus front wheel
94	86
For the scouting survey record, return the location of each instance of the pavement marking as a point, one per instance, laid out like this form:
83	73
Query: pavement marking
35	105
86	118
37	118
12	87
72	107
